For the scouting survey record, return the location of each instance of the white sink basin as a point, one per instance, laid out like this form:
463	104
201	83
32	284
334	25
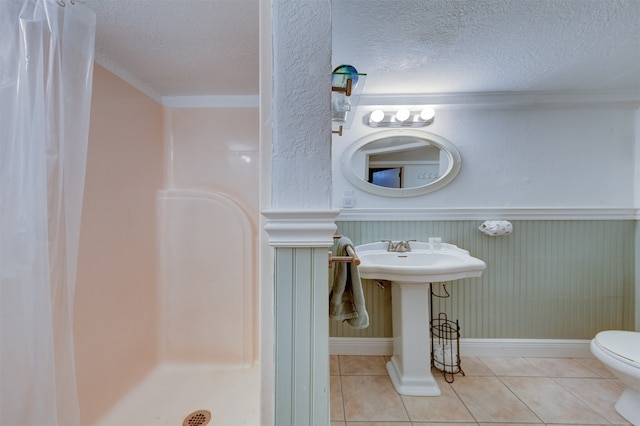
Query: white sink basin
411	274
420	265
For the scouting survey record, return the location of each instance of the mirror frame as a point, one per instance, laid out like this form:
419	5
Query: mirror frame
455	162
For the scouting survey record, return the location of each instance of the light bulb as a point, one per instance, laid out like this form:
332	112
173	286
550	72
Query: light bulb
403	115
427	114
376	116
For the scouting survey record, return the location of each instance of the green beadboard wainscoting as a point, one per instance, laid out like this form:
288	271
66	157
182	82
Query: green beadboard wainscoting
549	279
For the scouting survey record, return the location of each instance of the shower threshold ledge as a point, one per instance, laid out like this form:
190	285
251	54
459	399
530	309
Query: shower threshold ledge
172	391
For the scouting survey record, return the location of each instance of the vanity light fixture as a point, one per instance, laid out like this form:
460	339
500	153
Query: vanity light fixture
376	116
401	118
427	114
403	115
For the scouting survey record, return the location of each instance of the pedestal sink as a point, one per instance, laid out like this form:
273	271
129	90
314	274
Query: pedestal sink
411	273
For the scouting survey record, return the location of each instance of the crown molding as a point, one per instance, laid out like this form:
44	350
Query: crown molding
222	101
500	100
125	75
203	101
487	100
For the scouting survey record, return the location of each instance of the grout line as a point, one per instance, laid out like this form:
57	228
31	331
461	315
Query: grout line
405	408
464	404
486	366
518	398
597	373
344	405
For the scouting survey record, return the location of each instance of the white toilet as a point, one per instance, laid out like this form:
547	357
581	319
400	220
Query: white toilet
620	352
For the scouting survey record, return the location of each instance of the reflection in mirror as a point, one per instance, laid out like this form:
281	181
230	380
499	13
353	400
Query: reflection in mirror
401	163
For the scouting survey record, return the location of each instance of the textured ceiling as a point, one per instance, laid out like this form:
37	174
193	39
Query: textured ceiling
210	47
452	46
180	47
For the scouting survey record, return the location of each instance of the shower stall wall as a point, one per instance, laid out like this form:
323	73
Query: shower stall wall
167	300
207	279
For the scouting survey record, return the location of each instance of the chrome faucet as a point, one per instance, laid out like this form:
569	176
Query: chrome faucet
400	246
403	246
390	245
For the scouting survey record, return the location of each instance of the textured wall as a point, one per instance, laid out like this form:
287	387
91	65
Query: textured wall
522	157
301	165
548	280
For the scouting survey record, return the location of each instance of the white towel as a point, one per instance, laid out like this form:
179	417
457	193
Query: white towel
346	298
494	228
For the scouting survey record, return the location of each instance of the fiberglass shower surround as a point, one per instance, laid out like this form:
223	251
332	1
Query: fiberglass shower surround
207	258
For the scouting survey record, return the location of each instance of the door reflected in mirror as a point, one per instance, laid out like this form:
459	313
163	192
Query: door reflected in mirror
400	163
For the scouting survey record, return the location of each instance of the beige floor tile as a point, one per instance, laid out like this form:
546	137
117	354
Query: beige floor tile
488	399
334	365
599	394
512	367
562	367
551	402
364	395
335	398
595	365
372	398
617	382
472	366
444	408
363	366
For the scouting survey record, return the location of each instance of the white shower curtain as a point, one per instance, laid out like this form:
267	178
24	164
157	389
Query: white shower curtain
46	68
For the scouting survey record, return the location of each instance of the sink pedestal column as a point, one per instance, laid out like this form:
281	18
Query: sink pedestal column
410	366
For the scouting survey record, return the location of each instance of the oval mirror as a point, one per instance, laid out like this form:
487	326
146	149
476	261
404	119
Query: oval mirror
400	163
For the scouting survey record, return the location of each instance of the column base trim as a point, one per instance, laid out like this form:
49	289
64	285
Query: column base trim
307	228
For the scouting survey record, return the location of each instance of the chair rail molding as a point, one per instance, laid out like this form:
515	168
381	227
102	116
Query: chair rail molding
481	213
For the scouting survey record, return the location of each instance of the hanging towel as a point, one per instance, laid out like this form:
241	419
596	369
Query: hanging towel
494	228
346	298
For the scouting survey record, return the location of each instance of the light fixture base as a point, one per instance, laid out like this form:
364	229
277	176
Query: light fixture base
403	117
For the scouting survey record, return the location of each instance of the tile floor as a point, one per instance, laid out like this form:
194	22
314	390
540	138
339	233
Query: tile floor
495	391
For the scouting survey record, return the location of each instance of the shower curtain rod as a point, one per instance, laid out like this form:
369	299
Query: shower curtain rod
61	3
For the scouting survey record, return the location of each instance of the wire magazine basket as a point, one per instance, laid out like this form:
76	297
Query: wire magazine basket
445	345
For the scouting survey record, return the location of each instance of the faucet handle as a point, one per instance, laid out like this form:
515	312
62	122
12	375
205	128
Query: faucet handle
390	245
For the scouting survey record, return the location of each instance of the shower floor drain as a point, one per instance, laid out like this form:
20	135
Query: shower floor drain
197	418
